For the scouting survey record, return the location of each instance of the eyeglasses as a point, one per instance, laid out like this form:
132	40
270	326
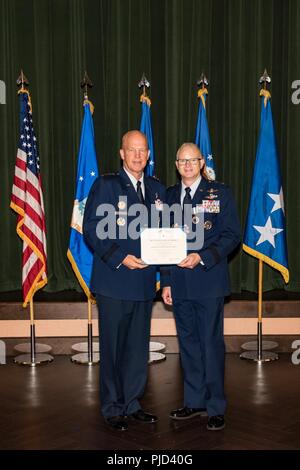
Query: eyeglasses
192	161
142	151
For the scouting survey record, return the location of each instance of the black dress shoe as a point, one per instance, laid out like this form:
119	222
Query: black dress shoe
141	415
216	423
187	413
117	422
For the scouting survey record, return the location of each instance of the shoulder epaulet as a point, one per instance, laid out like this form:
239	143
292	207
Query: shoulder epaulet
110	175
154	177
173	186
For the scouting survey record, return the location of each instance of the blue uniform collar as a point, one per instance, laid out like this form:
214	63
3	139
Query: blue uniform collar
199	194
131	192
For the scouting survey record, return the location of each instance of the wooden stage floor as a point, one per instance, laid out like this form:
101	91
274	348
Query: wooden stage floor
57	407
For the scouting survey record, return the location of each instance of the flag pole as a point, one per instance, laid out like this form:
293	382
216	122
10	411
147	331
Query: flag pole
33	352
259	354
90	333
259	322
86	350
155	348
32	331
33	359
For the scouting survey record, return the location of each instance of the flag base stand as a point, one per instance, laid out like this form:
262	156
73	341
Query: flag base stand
84	359
155	357
87	358
157	347
258	355
27	360
33	359
252	345
266	356
84	347
155	352
39	348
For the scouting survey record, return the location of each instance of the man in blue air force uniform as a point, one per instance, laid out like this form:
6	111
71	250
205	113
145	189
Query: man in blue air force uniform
197	286
123	284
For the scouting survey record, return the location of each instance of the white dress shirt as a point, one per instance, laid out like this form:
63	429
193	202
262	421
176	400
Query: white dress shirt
134	181
193	187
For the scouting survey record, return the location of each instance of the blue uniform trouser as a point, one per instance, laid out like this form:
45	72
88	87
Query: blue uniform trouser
124	350
200	332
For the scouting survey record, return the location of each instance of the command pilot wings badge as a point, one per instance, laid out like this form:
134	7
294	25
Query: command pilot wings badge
77	215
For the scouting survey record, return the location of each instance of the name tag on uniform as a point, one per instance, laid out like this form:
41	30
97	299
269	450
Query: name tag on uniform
211	206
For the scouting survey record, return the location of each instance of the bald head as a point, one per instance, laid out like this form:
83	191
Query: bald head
186	147
189	163
132	135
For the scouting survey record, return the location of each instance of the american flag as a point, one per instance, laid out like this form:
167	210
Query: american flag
27	201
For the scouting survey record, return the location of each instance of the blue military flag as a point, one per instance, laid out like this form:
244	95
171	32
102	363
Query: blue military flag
79	254
265	232
146	128
202	139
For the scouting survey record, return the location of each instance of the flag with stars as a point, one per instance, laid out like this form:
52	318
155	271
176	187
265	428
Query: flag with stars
146	128
202	139
265	232
27	202
79	254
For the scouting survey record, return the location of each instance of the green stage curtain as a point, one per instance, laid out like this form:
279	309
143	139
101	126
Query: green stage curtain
172	41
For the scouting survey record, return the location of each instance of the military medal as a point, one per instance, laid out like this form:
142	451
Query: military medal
158	203
195	219
207	225
211	206
121	221
186	228
121	205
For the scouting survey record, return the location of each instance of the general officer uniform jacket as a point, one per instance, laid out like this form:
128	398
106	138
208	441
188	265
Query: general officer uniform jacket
110	277
221	235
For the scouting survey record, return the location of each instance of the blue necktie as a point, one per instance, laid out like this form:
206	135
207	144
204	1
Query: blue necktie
187	198
140	192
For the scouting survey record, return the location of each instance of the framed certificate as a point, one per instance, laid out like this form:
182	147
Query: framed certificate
163	245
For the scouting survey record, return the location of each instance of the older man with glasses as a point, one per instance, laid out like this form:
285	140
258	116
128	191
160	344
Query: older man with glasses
196	287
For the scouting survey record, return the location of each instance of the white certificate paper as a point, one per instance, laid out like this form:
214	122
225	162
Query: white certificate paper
163	245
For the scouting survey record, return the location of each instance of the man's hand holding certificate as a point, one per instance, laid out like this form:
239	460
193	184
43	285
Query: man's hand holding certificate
163	245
